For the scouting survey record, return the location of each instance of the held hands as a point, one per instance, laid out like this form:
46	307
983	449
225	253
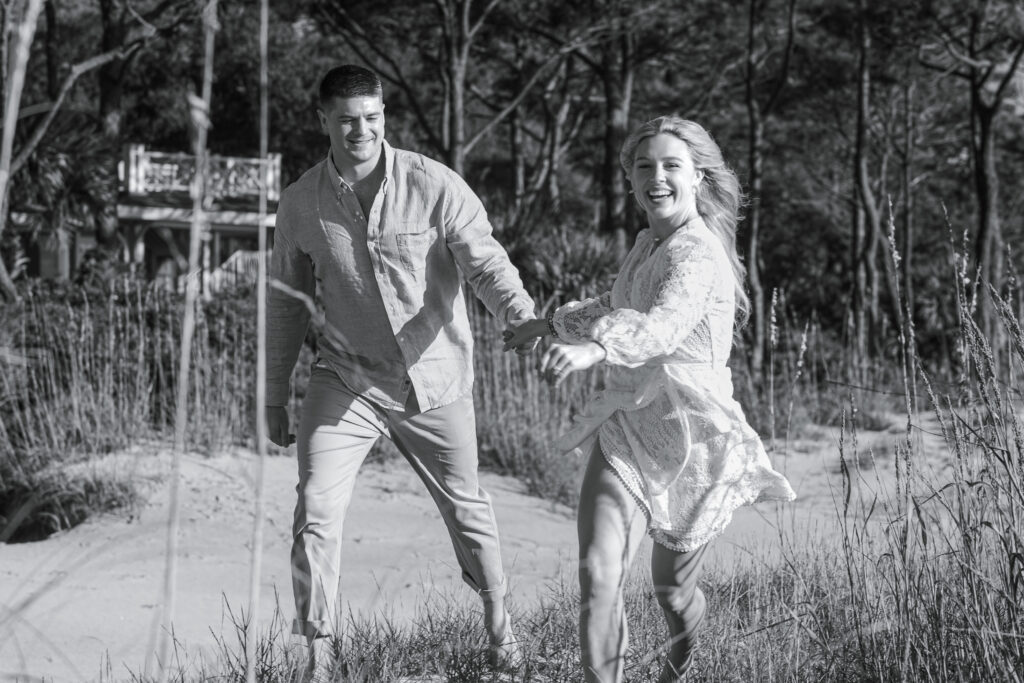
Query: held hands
523	334
561	359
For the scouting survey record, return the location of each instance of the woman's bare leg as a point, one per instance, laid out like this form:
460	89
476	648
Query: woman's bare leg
674	575
611	527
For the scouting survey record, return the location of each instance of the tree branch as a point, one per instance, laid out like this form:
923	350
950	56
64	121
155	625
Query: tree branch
482	18
1008	76
350	30
76	72
787	56
523	92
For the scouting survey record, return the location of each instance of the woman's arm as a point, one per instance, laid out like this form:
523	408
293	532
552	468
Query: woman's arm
631	337
570	323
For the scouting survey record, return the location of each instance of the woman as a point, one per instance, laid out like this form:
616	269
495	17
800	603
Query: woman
669	447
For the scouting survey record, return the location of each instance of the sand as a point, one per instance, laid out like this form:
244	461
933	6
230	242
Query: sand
82	604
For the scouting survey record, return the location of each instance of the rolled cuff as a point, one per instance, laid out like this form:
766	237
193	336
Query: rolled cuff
277	393
311	629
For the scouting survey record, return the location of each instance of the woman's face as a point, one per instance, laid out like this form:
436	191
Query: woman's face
664	179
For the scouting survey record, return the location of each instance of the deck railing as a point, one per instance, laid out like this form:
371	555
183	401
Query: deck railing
148	172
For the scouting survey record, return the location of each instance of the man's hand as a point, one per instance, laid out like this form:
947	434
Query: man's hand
277	426
523	334
561	359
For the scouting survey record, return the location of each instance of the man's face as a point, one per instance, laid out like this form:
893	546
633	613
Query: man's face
355	126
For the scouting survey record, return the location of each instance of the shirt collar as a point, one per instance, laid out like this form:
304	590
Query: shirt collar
337	182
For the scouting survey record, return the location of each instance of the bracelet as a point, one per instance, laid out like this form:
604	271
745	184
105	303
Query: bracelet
551	323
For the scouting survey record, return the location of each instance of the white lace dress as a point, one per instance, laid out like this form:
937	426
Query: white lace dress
667	421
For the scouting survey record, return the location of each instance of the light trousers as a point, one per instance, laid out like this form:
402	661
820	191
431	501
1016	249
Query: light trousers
337	428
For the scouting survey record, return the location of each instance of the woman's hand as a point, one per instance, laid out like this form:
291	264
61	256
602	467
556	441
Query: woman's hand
561	359
522	335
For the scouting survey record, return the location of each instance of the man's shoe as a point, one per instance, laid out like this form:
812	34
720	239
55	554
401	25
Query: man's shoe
505	654
319	662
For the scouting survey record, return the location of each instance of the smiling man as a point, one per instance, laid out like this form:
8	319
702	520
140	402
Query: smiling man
384	238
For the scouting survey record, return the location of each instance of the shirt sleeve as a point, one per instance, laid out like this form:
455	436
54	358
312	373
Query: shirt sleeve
631	337
481	258
572	322
287	315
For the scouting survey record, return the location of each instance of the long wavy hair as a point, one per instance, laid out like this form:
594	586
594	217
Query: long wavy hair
718	194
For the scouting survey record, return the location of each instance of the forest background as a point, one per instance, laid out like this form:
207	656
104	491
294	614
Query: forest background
848	122
881	146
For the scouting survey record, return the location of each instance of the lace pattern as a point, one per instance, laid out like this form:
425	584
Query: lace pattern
667	422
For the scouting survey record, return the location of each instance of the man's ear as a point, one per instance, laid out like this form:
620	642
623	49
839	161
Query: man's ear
322	118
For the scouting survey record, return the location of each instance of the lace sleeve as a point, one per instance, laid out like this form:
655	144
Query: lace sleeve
573	321
680	301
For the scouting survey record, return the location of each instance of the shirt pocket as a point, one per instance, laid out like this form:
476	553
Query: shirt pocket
414	241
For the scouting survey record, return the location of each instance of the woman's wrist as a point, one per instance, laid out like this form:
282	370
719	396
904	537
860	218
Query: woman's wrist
549	324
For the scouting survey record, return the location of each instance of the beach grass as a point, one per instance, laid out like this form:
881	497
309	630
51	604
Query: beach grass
921	579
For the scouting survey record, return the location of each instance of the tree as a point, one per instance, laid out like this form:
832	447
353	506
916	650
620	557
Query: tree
981	42
19	20
758	110
447	44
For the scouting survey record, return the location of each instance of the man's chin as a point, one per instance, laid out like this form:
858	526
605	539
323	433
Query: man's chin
367	153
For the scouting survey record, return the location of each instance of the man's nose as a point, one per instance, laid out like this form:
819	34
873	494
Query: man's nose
359	124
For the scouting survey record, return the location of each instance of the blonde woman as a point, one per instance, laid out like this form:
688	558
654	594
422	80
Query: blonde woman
670	449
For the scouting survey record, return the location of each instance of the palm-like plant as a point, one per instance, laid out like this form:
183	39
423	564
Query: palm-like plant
67	183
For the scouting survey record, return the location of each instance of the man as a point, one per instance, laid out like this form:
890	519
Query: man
385	236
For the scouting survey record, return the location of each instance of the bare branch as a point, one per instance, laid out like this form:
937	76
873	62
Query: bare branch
523	92
482	18
350	30
76	72
786	57
1008	76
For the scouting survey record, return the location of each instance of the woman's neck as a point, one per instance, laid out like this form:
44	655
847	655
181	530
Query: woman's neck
662	229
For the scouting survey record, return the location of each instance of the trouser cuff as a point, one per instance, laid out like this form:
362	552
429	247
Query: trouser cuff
311	629
487	594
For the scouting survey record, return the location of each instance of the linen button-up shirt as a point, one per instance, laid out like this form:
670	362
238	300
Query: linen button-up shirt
390	281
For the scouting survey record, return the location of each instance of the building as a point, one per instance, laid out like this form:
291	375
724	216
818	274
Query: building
154	212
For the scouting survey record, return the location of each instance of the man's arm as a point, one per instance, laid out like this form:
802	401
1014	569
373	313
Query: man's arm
483	261
287	316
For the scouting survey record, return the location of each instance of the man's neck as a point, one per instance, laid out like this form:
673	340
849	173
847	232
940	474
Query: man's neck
353	174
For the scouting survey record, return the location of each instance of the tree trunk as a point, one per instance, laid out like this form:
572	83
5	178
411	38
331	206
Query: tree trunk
617	79
111	87
518	164
753	221
111	74
870	213
457	115
988	246
52	59
908	198
12	103
752	241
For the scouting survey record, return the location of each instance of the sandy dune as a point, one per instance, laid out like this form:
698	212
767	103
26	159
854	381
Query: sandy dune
71	603
84	601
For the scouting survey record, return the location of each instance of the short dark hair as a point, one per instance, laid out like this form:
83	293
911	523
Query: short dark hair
349	80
